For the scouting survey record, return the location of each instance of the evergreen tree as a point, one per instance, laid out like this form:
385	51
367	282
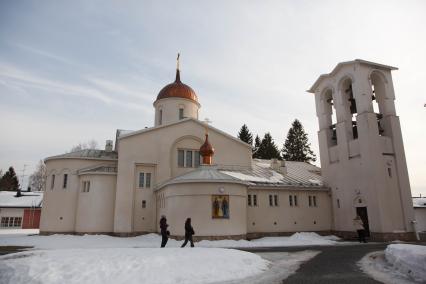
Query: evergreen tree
9	181
245	135
256	147
268	149
296	146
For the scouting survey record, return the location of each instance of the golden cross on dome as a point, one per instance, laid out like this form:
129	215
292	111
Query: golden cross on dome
177	61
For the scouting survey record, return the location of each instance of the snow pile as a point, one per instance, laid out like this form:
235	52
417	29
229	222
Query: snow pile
130	265
297	239
408	259
154	240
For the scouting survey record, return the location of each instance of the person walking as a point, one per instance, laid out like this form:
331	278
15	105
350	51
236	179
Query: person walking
359	227
189	231
164	232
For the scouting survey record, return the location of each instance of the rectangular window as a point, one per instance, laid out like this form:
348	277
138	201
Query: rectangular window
189	159
148	180
314	199
181	158
181	113
196	159
249	200
65	181
276	200
4	221
270	200
390	172
290	200
141	179
52	184
295	200
160	117
310	201
17	222
143	203
254	200
338	203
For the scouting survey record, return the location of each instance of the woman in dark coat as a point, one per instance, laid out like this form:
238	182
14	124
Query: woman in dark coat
164	233
189	231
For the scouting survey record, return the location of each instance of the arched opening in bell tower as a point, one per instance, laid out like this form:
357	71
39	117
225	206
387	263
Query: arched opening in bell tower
349	107
331	118
378	89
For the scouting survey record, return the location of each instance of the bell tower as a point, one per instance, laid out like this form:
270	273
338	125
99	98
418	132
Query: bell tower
362	152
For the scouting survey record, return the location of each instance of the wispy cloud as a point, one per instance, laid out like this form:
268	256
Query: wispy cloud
43	53
11	74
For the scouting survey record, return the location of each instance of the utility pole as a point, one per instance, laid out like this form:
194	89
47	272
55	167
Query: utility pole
23	176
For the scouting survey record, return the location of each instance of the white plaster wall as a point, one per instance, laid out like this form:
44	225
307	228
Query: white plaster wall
158	147
95	209
170	108
359	169
261	218
60	205
194	201
12	212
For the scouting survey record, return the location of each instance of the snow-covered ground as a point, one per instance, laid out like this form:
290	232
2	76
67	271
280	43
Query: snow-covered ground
130	265
105	259
399	263
19	232
154	240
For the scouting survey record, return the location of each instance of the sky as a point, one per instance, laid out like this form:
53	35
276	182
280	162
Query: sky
72	71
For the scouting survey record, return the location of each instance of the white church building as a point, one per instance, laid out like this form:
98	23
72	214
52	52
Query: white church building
183	167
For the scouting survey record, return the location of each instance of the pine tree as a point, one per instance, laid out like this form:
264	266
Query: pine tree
268	149
256	147
9	181
245	135
296	146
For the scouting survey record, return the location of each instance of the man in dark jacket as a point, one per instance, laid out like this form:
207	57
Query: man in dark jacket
189	231
164	233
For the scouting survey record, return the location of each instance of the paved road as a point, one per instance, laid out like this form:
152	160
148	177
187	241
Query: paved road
335	264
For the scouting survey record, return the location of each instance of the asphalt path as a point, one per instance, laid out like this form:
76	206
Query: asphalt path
334	264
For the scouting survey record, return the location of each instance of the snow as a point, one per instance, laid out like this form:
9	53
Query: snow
12	232
245	177
130	265
408	259
154	240
28	199
398	264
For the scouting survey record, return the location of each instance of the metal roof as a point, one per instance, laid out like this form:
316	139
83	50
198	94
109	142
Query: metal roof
298	175
87	154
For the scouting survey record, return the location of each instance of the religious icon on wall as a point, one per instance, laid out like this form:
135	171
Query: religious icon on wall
220	206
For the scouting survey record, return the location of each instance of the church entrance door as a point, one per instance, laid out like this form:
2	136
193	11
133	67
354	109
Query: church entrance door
362	212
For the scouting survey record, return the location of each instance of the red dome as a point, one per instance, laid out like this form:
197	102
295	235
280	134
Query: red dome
177	89
207	151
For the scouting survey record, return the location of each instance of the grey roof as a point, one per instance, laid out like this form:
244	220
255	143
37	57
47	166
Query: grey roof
99	169
298	175
87	154
8	199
